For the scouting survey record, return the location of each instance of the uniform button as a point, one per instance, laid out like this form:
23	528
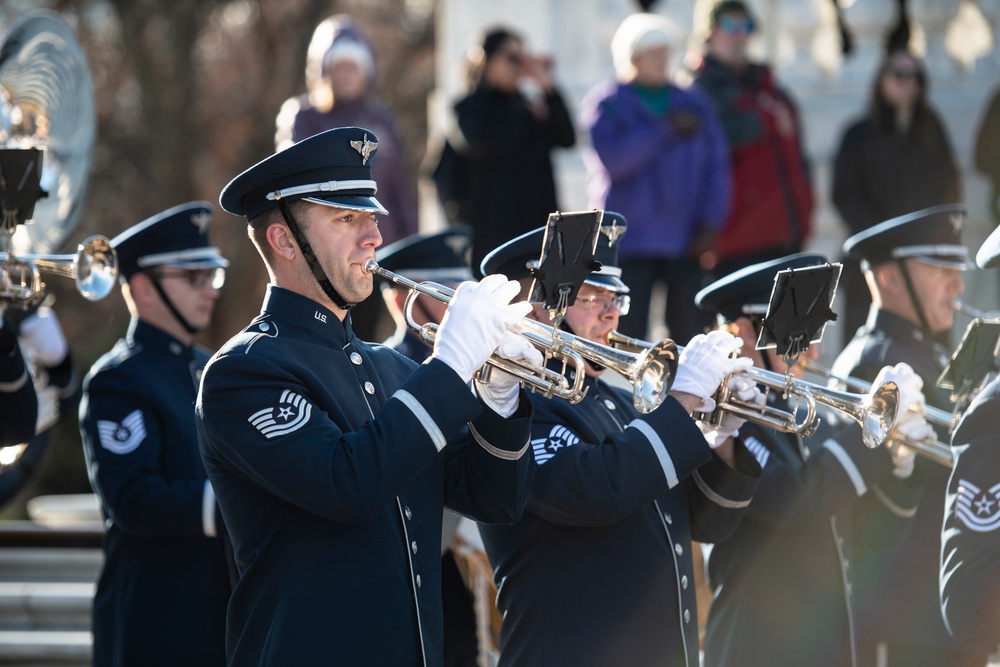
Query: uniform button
848	587
264	326
669	519
355	358
418	581
413	546
369	387
687	615
679	550
408	513
609	404
684	582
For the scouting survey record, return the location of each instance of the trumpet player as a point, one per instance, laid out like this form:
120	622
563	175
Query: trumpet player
970	540
165	572
599	570
794	548
913	266
333	458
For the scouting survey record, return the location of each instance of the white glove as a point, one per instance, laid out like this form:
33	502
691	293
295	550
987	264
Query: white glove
42	339
502	391
475	322
903	458
746	391
705	363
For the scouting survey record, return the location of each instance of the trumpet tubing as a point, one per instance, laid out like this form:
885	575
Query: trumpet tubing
876	416
650	372
975	313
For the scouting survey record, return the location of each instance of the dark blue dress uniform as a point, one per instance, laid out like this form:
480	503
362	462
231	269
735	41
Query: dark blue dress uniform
17	393
898	598
783	580
599	570
162	593
970	553
332	459
970	538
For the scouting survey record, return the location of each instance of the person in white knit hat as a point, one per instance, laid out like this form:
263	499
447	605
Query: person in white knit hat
659	157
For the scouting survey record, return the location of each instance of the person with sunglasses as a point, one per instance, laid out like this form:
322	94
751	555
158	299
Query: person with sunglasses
772	198
500	179
895	159
599	571
163	589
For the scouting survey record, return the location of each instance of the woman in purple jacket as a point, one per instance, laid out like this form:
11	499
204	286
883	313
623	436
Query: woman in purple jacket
659	156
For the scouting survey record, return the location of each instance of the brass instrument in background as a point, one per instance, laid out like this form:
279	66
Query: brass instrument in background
46	107
876	416
650	372
936	451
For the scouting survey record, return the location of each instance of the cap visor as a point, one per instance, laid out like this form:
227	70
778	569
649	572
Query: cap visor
349	202
613	283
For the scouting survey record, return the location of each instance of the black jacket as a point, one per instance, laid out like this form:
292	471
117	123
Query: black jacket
599	570
506	167
17	394
333	459
164	578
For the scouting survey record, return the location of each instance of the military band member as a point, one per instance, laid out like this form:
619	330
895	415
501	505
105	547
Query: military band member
794	547
970	541
599	570
913	266
161	597
333	458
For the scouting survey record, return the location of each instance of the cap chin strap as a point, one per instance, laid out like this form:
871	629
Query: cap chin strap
912	291
310	257
172	308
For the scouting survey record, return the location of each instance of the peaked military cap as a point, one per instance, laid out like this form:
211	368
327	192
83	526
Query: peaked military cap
932	235
512	259
988	256
175	237
332	168
748	291
441	257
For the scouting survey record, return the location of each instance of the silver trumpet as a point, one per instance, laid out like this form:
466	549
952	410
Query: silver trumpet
936	451
94	267
876	414
650	372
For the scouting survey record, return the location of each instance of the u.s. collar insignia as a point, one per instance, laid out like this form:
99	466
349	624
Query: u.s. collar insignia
291	413
201	220
956	222
365	147
612	232
979	510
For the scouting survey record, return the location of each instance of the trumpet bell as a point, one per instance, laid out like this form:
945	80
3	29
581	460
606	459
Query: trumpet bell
96	268
654	373
879	415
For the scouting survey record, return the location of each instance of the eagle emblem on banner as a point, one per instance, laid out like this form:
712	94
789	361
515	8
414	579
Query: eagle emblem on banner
979	510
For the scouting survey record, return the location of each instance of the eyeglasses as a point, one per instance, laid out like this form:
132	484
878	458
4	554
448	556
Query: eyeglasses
603	303
733	25
197	278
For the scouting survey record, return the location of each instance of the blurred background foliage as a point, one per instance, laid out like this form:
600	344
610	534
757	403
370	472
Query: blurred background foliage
186	93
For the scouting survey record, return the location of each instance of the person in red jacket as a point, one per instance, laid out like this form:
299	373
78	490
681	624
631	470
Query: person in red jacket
772	198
